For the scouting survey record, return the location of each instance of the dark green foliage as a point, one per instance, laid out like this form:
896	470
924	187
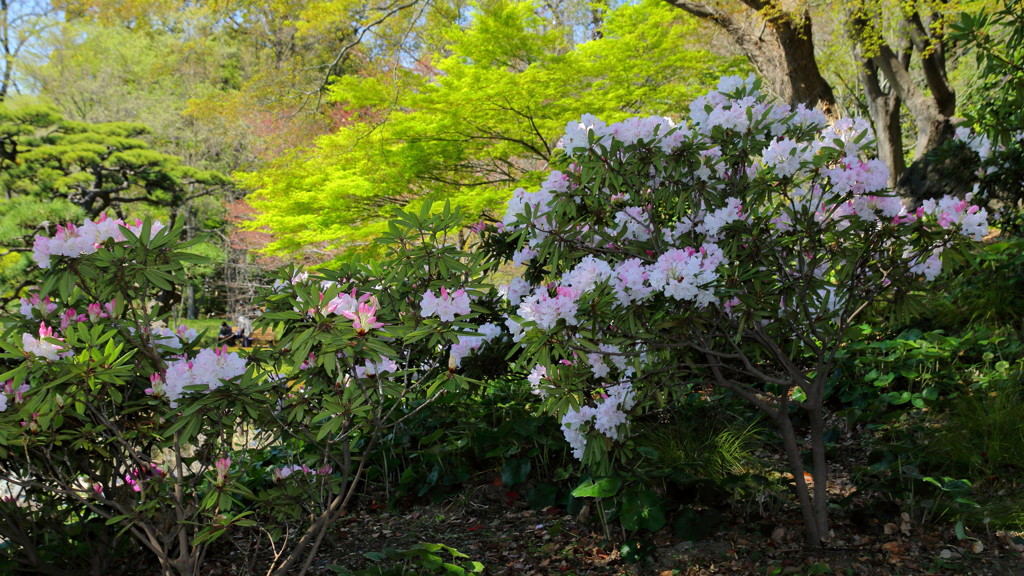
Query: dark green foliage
96	167
487	434
423	559
994	102
54	171
981	433
941	398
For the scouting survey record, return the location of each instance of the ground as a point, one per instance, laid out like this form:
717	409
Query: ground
498	530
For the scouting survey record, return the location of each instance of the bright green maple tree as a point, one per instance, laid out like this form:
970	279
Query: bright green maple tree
471	124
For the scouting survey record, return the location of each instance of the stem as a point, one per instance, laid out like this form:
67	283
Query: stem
183	560
796	466
314	535
820	470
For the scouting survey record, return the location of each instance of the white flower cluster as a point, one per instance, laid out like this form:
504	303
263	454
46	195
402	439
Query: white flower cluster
979	143
370	369
608	352
515	290
469	344
633	223
929	266
786	156
630	131
606	417
687	274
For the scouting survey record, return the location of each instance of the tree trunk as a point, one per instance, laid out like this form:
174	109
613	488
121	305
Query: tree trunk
932	106
815	528
778	43
884	109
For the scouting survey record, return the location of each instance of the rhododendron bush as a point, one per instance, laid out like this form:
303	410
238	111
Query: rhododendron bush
107	415
91	429
733	250
364	346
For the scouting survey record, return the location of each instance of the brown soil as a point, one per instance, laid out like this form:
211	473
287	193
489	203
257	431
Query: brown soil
508	538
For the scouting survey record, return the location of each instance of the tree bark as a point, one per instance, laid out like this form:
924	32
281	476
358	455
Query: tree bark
884	109
932	105
778	43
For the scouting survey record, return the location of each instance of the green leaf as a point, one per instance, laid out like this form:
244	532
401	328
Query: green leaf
599	488
642	511
515	471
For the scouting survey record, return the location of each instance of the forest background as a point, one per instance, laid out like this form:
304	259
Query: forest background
292	129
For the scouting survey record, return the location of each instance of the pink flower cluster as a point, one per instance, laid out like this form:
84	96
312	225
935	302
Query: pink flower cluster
222	466
43	346
343	303
136	477
364	317
537	376
73	241
545	309
949	212
447	305
286	471
8	389
209	368
34	303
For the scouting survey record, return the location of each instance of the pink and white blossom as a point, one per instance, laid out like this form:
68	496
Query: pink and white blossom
633	223
951	212
607	417
589	272
73	241
687	274
447	305
545	310
537	376
930	267
370	369
33	303
469	344
515	290
784	156
42	346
